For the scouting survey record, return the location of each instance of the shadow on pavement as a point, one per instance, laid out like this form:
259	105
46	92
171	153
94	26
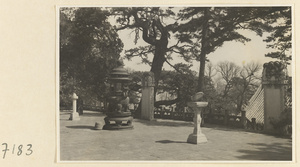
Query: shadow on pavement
81	127
169	141
263	151
65	113
64	119
92	114
234	129
164	123
224	128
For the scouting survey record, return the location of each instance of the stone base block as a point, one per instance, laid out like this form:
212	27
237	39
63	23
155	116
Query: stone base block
196	138
74	116
118	123
98	126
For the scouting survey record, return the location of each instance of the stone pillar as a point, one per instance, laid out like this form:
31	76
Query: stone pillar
148	84
74	115
243	119
273	81
197	136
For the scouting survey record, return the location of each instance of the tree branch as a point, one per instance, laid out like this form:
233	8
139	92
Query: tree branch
173	67
143	25
124	27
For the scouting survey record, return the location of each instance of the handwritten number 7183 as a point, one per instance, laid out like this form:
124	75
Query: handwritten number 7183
20	149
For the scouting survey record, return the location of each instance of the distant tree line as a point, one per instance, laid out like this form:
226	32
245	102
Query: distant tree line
228	87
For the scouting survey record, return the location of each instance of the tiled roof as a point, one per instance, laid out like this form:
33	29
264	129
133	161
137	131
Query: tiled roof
255	107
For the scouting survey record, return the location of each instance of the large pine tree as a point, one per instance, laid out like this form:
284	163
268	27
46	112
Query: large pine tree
205	29
89	49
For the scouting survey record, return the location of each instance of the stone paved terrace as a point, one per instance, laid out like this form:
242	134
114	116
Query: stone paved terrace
164	140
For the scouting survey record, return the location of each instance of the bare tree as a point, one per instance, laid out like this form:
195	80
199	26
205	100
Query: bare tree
210	71
246	83
228	71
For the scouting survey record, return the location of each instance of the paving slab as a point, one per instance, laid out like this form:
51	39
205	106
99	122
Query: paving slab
164	140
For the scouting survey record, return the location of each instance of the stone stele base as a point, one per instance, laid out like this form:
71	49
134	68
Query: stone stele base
74	116
197	138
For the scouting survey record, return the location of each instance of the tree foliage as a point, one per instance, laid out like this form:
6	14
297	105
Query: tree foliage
149	22
89	49
206	29
179	84
281	35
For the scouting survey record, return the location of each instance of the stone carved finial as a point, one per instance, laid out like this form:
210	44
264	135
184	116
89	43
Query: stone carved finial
197	96
274	73
74	97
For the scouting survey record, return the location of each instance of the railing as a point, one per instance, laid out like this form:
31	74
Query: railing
84	107
231	120
91	107
166	114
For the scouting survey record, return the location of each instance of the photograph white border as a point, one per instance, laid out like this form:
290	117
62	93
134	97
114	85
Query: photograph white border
177	161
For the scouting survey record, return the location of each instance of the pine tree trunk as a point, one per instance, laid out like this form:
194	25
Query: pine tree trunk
200	86
156	68
157	63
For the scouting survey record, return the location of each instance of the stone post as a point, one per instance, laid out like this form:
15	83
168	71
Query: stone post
184	111
148	84
273	81
74	115
243	119
197	136
79	105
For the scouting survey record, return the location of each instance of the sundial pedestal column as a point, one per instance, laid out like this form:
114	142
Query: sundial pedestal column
197	136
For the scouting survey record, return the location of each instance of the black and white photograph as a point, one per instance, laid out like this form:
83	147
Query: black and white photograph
202	83
193	83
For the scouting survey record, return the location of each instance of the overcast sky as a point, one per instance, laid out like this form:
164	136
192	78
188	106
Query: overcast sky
236	52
